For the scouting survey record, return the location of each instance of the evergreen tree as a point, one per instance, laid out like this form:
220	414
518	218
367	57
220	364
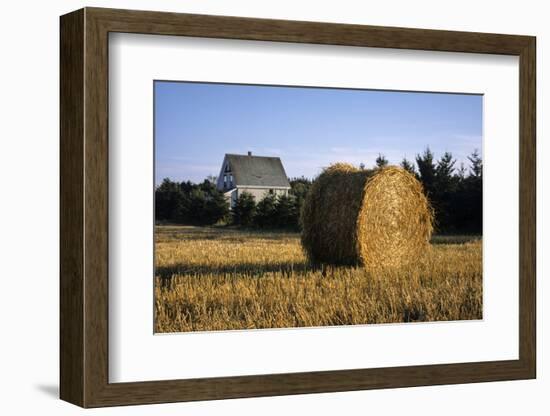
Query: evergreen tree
197	203
244	210
207	187
381	161
442	196
286	213
186	187
266	211
445	168
299	190
426	171
461	172
474	193
408	166
167	196
202	205
216	207
183	214
476	164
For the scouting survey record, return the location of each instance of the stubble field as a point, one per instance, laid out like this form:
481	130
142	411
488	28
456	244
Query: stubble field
221	278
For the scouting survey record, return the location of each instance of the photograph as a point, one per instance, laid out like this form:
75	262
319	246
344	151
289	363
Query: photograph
302	206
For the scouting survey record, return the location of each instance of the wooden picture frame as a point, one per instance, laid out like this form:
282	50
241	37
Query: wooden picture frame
84	207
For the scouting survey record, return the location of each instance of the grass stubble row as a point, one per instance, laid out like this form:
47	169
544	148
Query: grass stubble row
220	279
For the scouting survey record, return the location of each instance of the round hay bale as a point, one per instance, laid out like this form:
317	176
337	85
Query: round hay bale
377	218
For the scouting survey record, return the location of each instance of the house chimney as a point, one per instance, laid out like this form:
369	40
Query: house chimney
249	153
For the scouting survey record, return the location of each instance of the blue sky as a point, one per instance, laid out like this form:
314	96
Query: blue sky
308	128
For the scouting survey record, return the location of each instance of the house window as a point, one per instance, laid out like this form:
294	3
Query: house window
230	180
225	181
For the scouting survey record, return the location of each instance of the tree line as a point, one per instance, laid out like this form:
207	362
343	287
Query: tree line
281	211
202	204
454	192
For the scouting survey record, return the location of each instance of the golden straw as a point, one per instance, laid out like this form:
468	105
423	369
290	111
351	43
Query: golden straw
377	218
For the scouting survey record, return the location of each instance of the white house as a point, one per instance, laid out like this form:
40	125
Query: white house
257	175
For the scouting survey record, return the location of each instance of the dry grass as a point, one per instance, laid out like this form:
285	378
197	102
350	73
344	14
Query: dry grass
394	225
219	279
378	218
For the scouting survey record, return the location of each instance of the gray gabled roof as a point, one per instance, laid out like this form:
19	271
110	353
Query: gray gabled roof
257	171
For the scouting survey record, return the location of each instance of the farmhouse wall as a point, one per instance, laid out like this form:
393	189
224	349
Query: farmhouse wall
260	193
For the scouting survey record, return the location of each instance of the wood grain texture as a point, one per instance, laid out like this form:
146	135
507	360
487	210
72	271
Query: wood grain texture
71	100
162	23
84	207
527	208
96	219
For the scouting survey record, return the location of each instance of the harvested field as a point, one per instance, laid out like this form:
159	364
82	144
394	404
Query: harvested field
210	278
